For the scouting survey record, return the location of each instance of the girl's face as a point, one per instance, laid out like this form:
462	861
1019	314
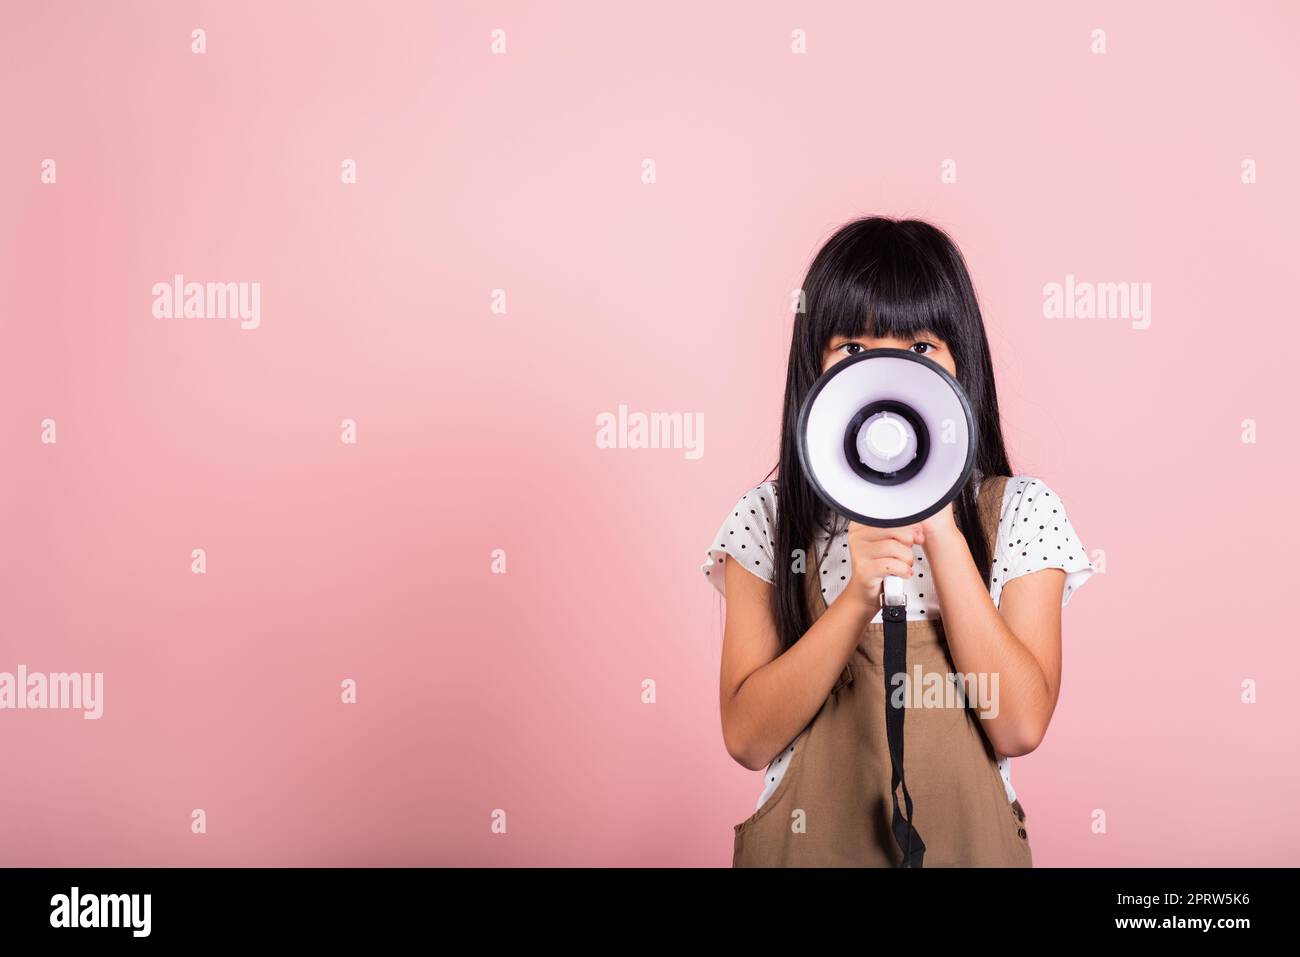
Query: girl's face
925	344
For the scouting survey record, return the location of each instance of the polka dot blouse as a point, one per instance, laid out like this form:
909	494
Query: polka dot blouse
1033	533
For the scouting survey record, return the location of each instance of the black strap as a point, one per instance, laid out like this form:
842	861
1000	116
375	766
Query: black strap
909	840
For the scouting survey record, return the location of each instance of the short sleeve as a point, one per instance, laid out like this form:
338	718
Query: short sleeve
747	535
1035	533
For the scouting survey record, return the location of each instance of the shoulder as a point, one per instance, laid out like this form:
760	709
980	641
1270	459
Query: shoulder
1026	494
759	501
753	516
1035	532
747	535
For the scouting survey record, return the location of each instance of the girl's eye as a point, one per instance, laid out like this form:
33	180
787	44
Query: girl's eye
921	348
851	348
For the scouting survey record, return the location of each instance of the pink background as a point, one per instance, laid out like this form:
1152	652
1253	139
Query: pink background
477	431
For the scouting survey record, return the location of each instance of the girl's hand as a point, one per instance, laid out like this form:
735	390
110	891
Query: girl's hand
939	526
877	552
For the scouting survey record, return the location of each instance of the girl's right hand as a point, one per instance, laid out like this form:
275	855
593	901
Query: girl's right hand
877	552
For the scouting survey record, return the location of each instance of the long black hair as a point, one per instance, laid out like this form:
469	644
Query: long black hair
879	277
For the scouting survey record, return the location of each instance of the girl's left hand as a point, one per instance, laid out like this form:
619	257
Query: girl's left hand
941	525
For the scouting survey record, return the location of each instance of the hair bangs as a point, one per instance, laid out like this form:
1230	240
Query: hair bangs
883	284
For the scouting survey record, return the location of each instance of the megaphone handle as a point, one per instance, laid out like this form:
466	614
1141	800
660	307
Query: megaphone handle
893	591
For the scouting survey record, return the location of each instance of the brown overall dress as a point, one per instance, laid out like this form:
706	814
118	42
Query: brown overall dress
833	807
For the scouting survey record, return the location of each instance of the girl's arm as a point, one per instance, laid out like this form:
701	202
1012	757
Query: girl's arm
1021	644
768	697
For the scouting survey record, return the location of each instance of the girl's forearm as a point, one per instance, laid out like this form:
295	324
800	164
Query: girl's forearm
778	700
982	644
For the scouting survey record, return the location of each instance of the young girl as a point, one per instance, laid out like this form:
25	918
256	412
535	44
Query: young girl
802	690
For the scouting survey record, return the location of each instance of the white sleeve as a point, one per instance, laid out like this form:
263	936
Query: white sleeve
1035	533
747	535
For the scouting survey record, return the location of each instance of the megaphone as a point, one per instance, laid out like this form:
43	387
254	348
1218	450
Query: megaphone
887	438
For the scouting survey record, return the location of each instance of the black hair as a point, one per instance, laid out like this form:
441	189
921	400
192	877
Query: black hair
879	277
